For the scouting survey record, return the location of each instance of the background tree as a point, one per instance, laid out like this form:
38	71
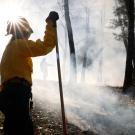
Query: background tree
121	21
87	40
73	67
130	65
125	21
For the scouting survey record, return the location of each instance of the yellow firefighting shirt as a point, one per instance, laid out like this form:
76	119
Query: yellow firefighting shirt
16	60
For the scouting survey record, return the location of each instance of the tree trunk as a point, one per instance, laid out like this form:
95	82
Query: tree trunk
73	70
87	41
126	44
84	67
130	49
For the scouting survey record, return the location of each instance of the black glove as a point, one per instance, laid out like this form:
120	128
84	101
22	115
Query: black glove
53	16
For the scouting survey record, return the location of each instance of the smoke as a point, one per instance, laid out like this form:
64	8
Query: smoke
92	37
89	107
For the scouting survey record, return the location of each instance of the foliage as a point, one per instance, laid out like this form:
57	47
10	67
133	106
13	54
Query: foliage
121	20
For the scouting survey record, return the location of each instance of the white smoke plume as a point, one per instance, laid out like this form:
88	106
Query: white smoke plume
90	107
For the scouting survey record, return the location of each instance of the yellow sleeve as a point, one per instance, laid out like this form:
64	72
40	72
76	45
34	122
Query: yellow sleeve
30	48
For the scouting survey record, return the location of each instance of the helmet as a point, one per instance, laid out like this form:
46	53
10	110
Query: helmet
20	26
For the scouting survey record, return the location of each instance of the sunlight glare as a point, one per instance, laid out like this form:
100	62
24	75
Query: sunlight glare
11	11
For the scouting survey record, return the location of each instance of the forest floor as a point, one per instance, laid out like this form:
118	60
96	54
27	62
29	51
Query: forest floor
48	122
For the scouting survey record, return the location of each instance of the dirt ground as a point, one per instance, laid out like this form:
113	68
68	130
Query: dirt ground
49	123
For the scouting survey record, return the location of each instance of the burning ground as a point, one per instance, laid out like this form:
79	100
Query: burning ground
90	110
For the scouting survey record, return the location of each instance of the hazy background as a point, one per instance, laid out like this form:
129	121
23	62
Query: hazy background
101	45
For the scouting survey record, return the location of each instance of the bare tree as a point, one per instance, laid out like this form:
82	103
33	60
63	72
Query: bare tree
86	42
73	67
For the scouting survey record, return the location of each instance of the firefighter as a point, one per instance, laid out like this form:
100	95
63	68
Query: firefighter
16	70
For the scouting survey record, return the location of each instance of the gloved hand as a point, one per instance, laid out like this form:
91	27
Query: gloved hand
53	16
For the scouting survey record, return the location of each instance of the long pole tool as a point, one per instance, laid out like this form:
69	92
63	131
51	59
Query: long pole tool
60	87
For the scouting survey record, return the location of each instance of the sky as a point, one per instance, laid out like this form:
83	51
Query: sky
100	37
